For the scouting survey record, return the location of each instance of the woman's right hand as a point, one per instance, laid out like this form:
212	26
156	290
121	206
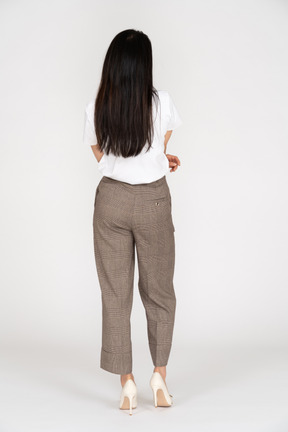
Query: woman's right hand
174	162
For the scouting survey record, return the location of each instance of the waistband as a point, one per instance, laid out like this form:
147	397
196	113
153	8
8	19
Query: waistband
153	184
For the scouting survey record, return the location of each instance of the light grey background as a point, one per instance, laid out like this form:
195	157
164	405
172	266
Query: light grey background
225	65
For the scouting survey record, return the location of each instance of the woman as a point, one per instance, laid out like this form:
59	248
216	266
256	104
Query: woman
128	126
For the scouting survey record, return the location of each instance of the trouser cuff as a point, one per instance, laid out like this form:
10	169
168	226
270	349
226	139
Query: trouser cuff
118	363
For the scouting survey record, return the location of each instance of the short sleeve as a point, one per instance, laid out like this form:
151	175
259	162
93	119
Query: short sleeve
175	119
89	135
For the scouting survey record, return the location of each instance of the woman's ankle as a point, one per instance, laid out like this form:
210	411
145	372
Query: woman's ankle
124	378
161	370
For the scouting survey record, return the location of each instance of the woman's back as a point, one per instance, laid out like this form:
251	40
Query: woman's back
147	166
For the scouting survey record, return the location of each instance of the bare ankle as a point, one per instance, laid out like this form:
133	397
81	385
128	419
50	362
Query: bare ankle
161	370
124	378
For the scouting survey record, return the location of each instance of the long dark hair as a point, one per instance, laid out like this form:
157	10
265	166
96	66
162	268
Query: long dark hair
123	116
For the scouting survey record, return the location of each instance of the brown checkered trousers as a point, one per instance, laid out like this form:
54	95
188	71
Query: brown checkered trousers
125	216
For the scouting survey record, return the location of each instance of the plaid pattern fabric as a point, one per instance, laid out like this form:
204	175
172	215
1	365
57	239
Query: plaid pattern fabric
128	219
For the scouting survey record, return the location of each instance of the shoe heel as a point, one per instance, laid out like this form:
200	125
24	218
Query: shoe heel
128	397
162	397
130	404
154	389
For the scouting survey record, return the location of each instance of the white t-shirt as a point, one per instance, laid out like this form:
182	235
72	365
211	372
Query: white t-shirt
145	167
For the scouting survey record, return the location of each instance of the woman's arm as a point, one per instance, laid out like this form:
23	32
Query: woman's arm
97	152
174	161
167	137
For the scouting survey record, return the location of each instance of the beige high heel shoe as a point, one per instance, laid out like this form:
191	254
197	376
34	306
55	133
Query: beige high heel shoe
160	391
128	397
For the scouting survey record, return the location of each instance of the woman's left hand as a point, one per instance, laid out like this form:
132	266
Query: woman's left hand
174	162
